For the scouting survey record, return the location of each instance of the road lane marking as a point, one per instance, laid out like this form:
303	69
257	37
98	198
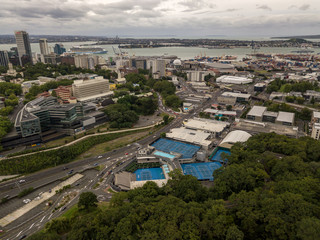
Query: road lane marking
42	218
31	226
19	234
50	216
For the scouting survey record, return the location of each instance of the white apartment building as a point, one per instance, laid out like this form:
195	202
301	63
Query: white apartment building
86	90
158	66
86	61
316	131
198	76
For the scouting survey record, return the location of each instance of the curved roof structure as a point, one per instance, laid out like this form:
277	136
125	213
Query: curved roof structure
177	62
233	137
233	79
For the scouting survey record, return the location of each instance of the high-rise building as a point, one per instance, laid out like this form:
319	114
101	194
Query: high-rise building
24	47
4	58
59	49
44	49
158	67
86	61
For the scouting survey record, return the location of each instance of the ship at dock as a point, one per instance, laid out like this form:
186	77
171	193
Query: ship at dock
87	50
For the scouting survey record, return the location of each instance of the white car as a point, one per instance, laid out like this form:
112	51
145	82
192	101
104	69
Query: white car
22	181
100	156
26	201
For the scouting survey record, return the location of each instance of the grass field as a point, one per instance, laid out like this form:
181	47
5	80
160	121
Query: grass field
117	143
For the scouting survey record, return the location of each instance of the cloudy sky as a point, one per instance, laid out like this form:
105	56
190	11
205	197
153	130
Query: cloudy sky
161	17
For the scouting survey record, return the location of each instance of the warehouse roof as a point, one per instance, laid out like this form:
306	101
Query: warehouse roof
233	79
257	111
189	135
206	125
285	117
236	95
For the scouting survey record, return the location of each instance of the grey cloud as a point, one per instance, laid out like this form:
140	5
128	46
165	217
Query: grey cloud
54	12
263	7
304	7
153	17
193	5
130	4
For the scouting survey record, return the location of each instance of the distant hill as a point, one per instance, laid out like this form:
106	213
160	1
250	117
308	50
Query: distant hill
303	36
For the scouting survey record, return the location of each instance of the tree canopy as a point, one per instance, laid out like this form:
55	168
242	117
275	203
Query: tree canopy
87	200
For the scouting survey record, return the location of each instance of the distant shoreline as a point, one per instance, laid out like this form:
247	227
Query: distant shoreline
303	36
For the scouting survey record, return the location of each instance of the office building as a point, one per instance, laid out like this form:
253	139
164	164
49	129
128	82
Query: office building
24	47
59	48
52	58
4	58
44	113
86	90
67	60
44	49
138	63
198	76
230	98
316	131
86	61
315	117
260	114
64	92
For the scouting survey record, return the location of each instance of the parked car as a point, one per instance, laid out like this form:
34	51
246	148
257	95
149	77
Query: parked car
100	156
22	181
26	201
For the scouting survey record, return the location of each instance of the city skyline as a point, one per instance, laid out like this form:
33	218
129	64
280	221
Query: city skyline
161	18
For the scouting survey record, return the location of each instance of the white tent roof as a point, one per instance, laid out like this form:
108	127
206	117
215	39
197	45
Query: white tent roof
236	136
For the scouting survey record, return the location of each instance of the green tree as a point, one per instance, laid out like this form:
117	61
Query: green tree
165	119
300	100
229	107
305	114
308	228
87	200
290	99
233	233
312	101
173	101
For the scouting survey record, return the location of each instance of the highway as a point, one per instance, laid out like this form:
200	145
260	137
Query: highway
44	179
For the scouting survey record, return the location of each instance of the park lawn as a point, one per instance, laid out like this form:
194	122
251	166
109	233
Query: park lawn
74	209
62	141
116	143
70	212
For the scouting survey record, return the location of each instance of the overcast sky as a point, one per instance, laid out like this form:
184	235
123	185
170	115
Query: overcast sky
161	17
